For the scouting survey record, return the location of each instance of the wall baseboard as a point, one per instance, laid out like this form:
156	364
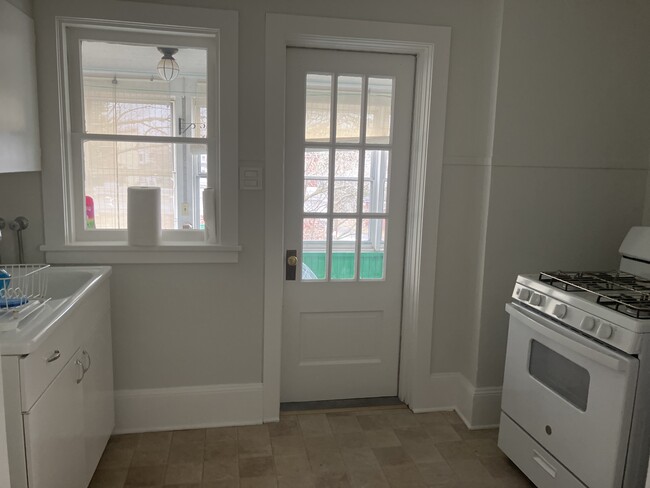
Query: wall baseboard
191	407
479	408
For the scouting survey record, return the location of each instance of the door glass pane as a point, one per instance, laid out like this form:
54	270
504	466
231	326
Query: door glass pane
373	237
380	106
316	180
314	249
563	376
375	181
348	108
318	107
346	178
344	233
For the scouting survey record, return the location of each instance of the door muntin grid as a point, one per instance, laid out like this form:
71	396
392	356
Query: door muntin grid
346	211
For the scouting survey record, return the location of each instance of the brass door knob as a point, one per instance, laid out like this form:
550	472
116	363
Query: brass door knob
292	260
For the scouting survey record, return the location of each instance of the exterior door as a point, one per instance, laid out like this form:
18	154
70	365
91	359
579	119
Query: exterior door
346	182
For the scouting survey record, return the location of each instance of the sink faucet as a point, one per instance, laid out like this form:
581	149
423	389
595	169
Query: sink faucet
19	224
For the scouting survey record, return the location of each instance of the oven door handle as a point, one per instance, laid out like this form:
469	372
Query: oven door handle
547	328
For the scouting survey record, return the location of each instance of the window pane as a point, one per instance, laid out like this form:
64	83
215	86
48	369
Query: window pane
380	106
315	196
111	167
375	184
348	108
318	107
344	233
373	237
317	162
314	249
346	177
124	94
566	378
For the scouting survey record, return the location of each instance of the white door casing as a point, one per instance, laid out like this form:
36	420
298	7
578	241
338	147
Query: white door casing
346	172
431	46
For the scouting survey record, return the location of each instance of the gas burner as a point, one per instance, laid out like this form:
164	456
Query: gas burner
623	292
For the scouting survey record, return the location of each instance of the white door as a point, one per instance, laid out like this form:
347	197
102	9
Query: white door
346	182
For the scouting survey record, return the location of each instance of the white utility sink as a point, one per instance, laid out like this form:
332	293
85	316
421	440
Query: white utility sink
66	288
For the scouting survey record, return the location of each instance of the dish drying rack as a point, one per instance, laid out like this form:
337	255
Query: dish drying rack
23	290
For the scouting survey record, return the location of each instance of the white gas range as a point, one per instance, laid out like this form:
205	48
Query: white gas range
576	392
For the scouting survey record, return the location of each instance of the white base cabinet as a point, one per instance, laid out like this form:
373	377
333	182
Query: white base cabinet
57	431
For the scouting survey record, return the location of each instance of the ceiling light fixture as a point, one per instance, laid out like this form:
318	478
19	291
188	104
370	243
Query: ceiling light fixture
167	66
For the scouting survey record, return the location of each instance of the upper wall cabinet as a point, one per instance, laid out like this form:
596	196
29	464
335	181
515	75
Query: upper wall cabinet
19	143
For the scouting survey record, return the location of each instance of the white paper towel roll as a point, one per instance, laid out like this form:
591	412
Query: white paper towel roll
144	216
209	211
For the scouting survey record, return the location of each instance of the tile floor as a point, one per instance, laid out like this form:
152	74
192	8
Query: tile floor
363	448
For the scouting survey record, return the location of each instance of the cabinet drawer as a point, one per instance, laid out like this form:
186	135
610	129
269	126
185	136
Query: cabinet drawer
41	367
535	461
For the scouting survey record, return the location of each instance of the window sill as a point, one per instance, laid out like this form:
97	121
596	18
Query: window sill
122	253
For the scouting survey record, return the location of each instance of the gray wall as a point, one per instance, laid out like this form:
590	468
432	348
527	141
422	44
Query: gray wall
562	118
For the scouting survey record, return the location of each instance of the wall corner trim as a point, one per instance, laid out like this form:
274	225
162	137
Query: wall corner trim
192	407
478	407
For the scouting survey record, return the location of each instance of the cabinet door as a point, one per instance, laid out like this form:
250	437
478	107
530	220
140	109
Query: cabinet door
99	416
54	439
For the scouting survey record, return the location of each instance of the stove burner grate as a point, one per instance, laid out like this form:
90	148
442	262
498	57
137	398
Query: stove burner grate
623	292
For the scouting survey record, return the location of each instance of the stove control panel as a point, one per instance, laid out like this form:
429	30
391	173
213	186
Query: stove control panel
616	336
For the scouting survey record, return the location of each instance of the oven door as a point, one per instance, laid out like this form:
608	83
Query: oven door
571	394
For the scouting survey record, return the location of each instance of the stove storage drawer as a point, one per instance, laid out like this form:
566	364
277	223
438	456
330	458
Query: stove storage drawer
535	461
571	394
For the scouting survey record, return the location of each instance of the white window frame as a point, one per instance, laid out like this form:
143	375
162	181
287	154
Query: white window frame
67	240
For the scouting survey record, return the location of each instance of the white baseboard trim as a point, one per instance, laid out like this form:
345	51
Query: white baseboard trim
479	408
187	407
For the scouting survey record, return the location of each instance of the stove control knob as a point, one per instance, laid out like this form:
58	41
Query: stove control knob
605	331
536	299
560	311
523	294
588	323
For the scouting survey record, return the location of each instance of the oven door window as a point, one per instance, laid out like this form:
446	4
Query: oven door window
563	376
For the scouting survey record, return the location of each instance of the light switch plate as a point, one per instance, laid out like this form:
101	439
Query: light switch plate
250	178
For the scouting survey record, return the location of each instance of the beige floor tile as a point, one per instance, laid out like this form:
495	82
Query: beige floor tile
287	426
407	476
108	478
190	435
254	447
403	419
424	451
292	465
374	422
326	462
500	467
351	439
343	423
485	448
453	418
184	473
411	435
256	467
219	434
470	469
368	478
381	438
300	481
220	449
432	418
438	473
253	432
220	469
145	476
314	425
186	452
455	451
150	457
154	441
466	434
392	456
124	441
225	483
115	457
260	482
321	443
442	432
332	480
290	445
359	459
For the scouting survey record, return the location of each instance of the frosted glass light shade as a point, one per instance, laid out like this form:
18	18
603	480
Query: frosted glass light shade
168	68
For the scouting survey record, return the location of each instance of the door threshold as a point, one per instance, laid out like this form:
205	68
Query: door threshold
340	406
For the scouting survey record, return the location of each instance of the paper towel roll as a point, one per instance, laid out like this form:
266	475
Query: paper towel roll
209	212
144	216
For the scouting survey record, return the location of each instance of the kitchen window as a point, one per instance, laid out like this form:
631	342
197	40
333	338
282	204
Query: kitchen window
129	124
